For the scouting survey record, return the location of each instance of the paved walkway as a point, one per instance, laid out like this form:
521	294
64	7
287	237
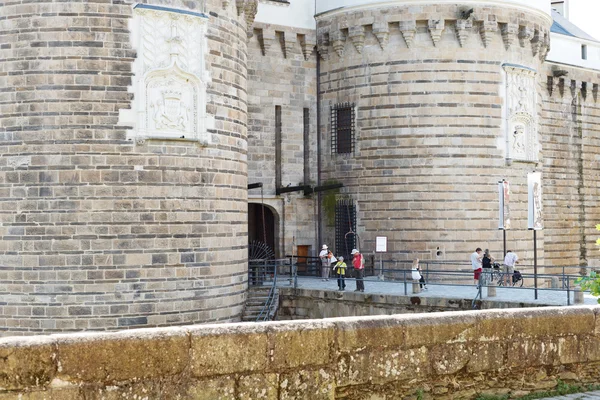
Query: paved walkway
578	396
375	286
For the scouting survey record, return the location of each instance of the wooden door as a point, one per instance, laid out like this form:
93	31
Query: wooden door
302	252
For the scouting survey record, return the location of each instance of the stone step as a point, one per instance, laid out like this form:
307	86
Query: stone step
257	308
258	298
255	303
260	291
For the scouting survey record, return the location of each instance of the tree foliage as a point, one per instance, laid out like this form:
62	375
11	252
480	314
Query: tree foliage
591	282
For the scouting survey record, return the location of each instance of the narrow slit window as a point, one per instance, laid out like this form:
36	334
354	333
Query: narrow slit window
278	139
306	120
584	52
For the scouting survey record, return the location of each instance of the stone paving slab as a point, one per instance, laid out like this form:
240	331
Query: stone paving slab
578	396
375	286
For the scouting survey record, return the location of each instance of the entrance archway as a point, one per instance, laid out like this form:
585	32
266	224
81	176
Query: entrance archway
260	231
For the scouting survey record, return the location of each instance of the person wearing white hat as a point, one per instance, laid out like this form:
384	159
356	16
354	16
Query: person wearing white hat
358	262
327	258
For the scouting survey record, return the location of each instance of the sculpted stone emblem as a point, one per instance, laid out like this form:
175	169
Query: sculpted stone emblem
170	78
521	114
171	112
519	146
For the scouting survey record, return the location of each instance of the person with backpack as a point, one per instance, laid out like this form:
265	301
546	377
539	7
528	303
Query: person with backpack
340	271
510	260
327	259
417	275
487	260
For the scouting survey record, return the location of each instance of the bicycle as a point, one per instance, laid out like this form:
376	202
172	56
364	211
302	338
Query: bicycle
516	281
495	273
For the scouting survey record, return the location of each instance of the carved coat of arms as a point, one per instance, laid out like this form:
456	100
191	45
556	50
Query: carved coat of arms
170	83
521	109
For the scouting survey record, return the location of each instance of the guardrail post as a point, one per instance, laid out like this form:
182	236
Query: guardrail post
295	275
416	288
578	296
491	285
568	292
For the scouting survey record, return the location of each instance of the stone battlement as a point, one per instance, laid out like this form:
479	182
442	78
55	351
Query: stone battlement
442	354
442	23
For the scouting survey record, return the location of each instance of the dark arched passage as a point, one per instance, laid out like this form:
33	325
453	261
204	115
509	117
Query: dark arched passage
262	227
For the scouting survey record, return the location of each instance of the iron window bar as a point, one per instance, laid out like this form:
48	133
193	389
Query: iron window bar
342	128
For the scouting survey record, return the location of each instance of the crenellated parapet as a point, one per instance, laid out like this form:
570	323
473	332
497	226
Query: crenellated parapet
564	86
285	40
563	81
480	29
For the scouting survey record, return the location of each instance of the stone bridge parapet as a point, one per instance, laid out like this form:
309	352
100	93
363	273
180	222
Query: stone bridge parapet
443	355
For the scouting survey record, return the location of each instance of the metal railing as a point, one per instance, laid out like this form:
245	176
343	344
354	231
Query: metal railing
453	273
264	273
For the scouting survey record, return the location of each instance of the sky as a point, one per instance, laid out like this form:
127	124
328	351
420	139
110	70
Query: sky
584	14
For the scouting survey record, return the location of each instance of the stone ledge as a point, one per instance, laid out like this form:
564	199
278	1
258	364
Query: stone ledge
307	358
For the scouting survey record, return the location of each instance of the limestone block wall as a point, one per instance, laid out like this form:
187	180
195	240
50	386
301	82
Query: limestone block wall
431	131
571	143
97	231
282	73
445	355
317	304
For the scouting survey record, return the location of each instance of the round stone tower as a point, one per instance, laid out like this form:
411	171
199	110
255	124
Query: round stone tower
443	102
123	168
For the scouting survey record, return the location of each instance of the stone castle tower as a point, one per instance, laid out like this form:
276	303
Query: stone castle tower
132	129
435	91
123	165
422	107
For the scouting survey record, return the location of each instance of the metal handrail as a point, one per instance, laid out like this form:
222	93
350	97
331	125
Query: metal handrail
450	278
266	310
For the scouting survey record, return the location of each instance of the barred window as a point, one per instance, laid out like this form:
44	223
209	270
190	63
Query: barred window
342	129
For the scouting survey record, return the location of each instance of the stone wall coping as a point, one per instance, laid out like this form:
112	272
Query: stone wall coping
304	325
426	345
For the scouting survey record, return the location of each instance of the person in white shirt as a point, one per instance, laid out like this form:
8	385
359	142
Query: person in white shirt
509	266
327	258
476	258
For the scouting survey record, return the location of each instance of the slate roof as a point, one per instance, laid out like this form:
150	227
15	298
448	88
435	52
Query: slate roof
563	26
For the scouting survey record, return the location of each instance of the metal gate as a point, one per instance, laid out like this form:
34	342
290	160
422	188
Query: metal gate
345	228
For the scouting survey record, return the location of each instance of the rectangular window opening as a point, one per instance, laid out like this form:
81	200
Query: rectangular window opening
584	52
342	129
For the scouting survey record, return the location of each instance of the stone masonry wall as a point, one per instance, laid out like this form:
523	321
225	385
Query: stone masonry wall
571	152
282	72
429	88
317	304
98	232
445	355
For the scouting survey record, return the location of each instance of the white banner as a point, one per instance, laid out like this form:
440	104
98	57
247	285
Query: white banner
535	216
504	205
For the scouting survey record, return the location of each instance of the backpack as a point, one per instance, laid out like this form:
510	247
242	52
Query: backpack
332	259
517	276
